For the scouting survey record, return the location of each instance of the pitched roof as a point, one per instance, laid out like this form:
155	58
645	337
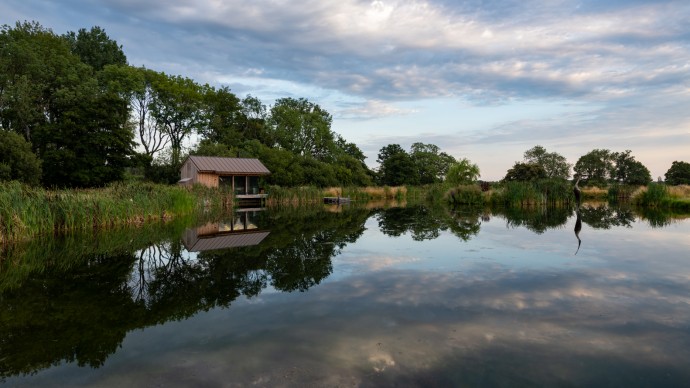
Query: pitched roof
229	165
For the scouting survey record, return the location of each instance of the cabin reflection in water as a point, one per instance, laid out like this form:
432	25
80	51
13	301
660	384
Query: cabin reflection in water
240	231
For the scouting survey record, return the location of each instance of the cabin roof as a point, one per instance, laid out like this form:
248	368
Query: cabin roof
218	165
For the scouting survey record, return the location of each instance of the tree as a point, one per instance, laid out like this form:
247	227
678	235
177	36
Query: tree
629	171
525	172
396	166
431	165
678	173
95	48
74	118
595	167
302	127
149	132
555	165
177	107
253	121
223	110
17	161
464	172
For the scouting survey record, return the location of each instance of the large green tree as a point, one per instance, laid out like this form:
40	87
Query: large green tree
629	171
178	108
431	164
75	118
595	167
302	127
555	165
678	173
525	172
396	166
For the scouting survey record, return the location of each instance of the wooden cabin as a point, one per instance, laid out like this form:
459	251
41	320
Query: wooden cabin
241	175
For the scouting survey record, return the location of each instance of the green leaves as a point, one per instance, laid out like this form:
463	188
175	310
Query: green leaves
678	173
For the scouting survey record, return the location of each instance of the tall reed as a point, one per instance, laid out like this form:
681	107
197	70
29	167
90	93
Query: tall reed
524	194
26	212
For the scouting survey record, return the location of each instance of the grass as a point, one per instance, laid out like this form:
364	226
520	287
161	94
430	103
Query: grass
659	195
27	212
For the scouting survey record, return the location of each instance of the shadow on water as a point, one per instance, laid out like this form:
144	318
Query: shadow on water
74	299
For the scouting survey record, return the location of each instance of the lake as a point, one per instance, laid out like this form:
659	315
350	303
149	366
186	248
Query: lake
352	296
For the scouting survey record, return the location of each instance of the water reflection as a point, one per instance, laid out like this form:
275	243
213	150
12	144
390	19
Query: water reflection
427	222
80	310
240	231
481	320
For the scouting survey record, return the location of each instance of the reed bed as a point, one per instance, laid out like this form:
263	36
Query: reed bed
594	193
27	212
659	195
528	194
294	196
465	195
367	193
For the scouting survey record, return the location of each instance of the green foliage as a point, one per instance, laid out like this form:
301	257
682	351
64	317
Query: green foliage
678	174
396	166
423	165
27	212
95	48
465	195
178	108
554	164
303	128
600	166
628	170
595	167
464	172
656	195
74	118
17	161
525	172
431	165
551	192
620	192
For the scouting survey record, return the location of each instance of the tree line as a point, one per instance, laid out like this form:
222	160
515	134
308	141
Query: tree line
74	113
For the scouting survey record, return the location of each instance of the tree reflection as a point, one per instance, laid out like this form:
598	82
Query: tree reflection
602	216
538	219
425	222
81	312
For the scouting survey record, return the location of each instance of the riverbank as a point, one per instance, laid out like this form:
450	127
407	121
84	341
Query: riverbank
27	212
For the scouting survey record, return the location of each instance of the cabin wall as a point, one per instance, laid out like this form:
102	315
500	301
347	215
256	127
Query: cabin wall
187	170
207	179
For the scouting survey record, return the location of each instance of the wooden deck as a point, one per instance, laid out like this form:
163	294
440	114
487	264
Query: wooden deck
251	199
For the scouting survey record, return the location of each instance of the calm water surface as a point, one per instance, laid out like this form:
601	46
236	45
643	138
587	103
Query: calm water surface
416	296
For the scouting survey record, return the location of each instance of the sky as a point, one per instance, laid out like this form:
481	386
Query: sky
482	79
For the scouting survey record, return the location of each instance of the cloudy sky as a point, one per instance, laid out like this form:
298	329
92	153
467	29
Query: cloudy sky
482	79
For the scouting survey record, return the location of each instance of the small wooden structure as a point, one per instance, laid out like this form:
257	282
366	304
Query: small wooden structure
241	175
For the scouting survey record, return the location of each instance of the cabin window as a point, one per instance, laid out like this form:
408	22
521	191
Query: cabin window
240	185
225	182
253	185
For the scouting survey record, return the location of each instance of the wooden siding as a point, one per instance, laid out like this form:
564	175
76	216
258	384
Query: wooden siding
207	179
